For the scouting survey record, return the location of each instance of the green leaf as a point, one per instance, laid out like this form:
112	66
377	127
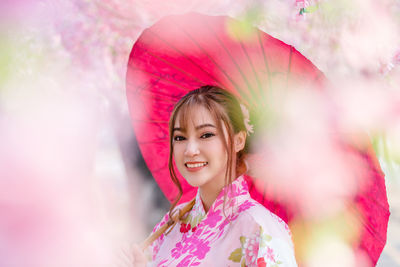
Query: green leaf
243	263
263	243
242	240
187	219
236	255
311	9
277	264
267	237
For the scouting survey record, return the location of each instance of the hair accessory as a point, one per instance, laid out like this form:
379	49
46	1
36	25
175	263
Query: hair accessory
246	116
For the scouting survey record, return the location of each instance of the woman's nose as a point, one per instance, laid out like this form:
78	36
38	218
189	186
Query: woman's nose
192	148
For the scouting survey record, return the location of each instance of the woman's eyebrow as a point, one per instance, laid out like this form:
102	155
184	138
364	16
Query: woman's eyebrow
178	129
204	126
197	127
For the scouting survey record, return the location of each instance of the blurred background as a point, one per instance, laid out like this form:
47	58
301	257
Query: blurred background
73	185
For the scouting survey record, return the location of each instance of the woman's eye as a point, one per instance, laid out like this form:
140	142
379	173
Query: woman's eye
179	138
207	135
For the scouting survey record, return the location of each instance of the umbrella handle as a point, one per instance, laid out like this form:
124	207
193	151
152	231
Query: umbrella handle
170	224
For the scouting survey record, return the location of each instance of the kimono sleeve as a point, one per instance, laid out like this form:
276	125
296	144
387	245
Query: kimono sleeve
274	251
270	243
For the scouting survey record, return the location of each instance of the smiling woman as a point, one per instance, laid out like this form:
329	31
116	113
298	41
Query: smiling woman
223	225
311	175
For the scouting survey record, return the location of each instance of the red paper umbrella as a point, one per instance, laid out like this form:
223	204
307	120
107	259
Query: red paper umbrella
184	52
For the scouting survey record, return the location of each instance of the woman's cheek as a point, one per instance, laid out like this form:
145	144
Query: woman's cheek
177	153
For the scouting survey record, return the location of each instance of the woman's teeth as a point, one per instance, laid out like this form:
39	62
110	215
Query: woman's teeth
195	165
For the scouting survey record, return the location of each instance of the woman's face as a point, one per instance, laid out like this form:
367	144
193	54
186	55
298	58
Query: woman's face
199	150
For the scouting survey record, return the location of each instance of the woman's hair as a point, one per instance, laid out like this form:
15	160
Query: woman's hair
226	110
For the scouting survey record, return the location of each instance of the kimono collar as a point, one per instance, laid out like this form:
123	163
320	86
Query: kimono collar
236	193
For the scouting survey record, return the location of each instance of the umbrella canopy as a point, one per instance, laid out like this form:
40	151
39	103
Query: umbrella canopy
184	52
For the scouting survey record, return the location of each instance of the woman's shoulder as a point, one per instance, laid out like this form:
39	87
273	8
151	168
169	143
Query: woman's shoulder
265	238
262	217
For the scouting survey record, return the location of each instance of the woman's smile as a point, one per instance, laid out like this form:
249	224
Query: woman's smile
195	165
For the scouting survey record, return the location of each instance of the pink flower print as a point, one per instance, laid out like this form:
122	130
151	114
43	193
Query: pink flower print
185	262
250	249
224	223
202	249
227	220
156	248
245	205
270	254
196	247
232	192
218	202
162	262
213	218
177	251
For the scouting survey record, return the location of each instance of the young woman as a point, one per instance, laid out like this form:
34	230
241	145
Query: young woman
223	225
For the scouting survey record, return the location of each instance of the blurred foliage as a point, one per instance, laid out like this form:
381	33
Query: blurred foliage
6	52
387	151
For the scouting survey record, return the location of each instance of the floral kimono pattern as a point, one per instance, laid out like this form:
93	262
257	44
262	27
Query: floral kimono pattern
240	233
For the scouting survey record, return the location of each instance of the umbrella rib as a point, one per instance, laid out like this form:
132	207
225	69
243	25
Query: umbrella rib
175	67
289	66
184	56
152	121
153	141
138	88
215	63
368	227
264	55
317	77
160	78
252	66
157	170
232	59
265	60
264	192
166	98
252	92
269	81
138	91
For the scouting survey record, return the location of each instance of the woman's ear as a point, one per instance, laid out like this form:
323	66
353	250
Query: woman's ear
240	140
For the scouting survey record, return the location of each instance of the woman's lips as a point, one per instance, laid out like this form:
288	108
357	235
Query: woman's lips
195	166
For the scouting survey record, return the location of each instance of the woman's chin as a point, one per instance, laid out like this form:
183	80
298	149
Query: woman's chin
194	182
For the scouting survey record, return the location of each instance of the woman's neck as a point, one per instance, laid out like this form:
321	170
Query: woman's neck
208	198
209	193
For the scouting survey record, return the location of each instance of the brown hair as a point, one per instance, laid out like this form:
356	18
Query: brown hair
226	110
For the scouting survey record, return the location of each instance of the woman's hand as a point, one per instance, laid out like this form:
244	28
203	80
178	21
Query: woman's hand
139	259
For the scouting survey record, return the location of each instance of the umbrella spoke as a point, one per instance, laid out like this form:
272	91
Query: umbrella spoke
155	82
289	66
187	58
163	75
224	72
249	87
